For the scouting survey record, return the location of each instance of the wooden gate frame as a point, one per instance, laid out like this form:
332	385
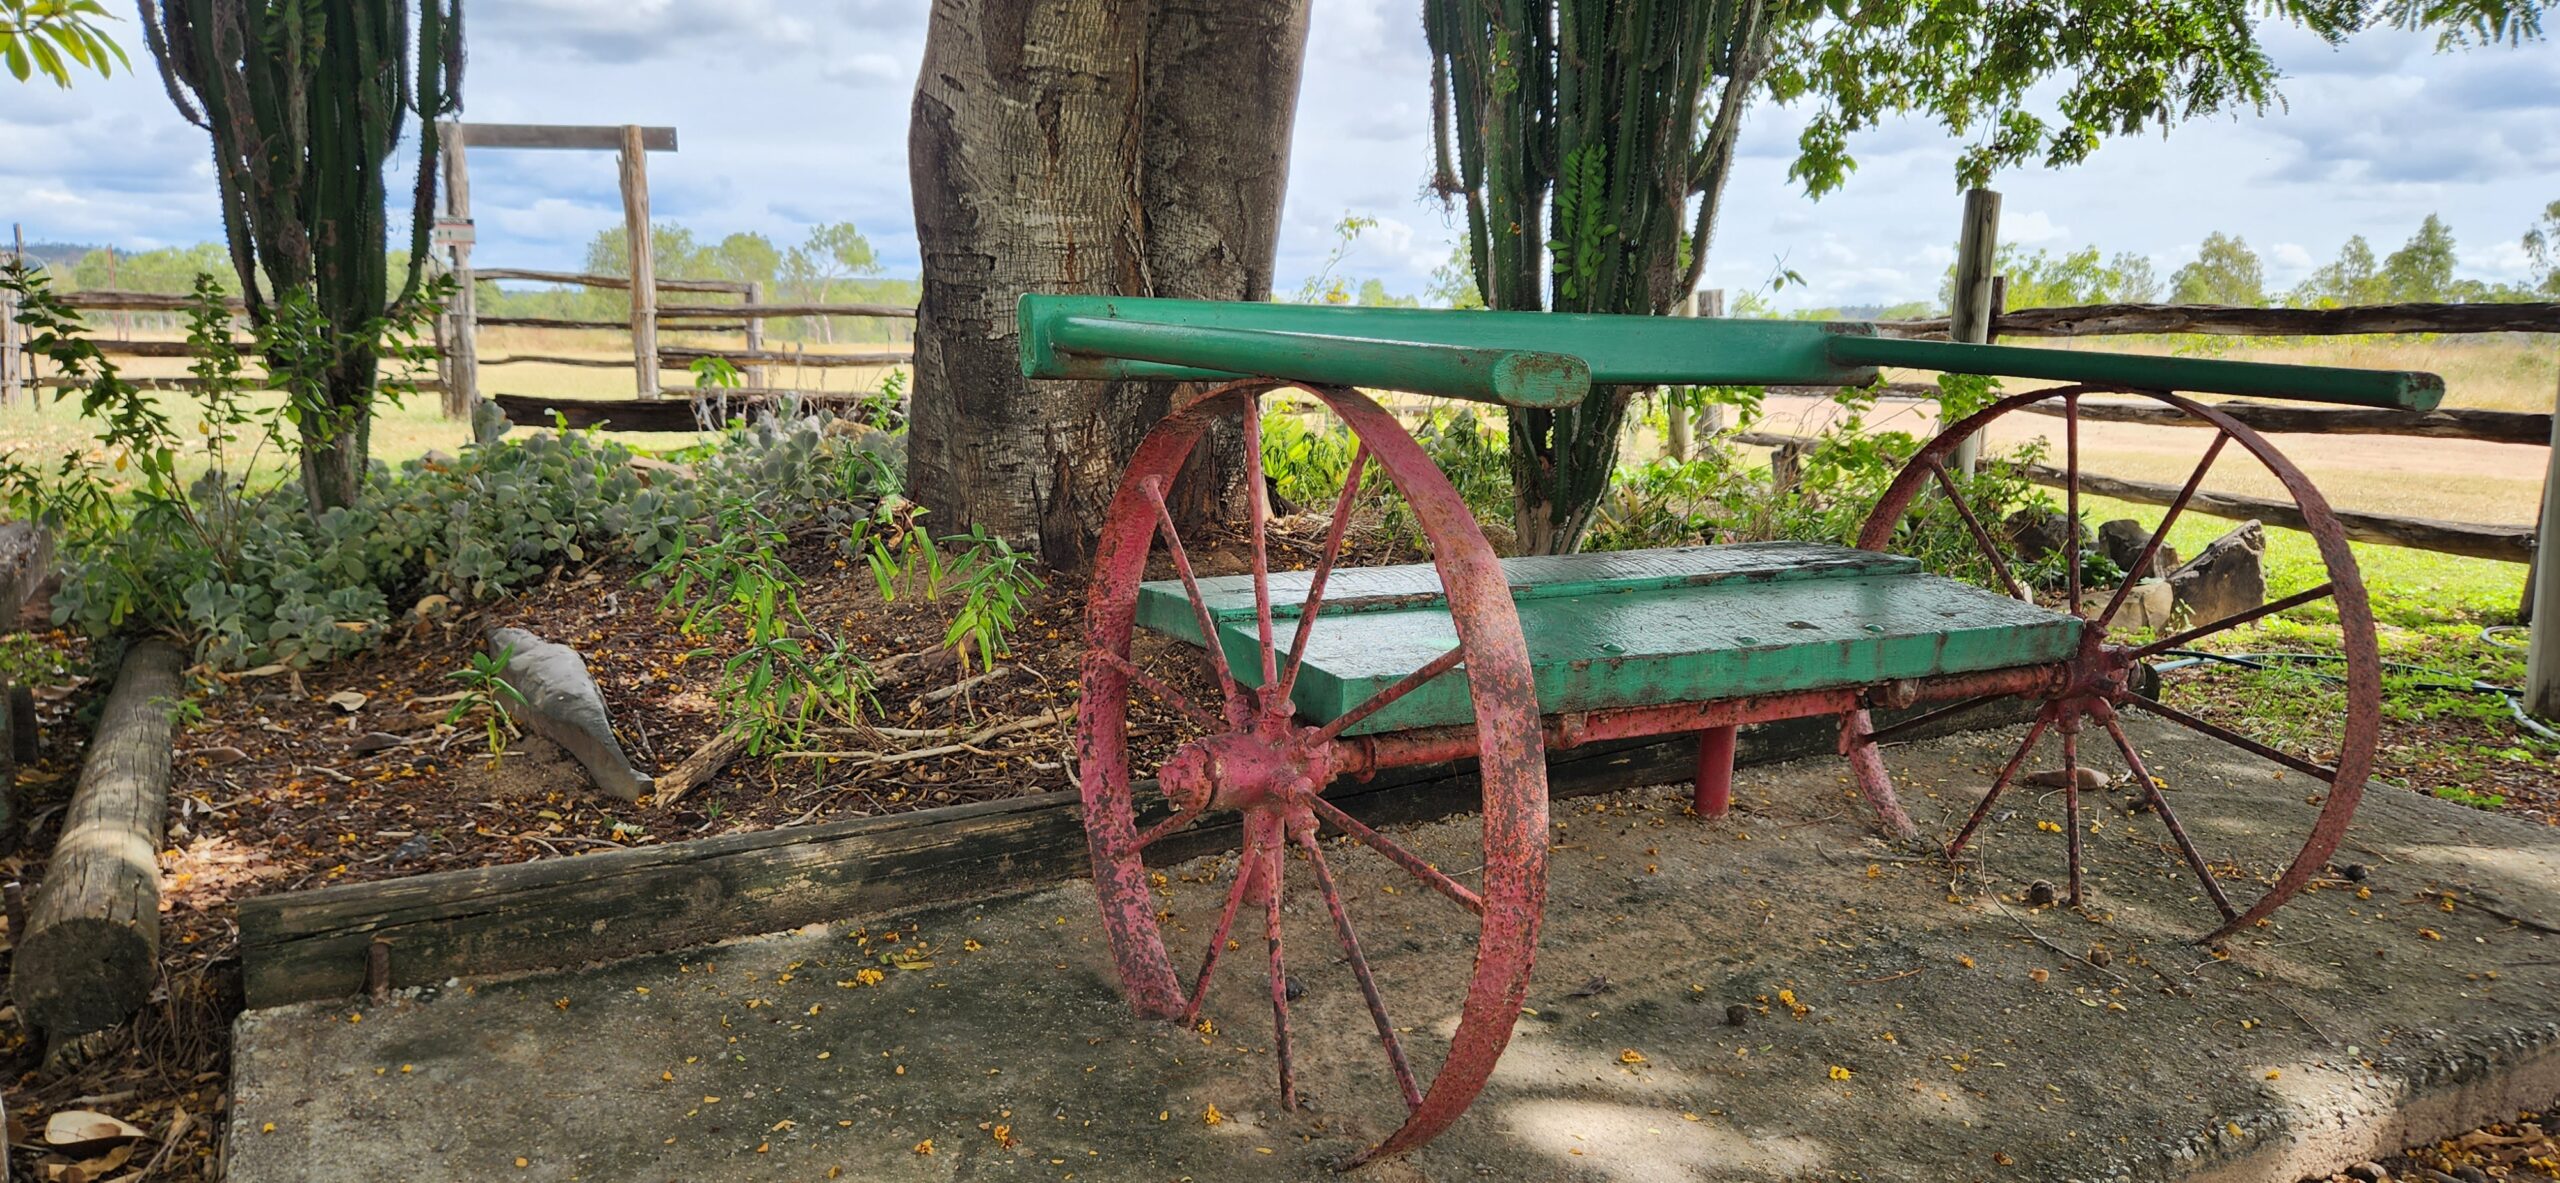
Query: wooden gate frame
631	143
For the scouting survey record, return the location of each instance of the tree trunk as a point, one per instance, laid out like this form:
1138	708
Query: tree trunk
337	444
1125	147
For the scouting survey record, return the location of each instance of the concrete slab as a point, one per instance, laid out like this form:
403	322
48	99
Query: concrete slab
1900	1022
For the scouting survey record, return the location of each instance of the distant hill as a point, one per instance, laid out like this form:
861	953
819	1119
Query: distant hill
57	254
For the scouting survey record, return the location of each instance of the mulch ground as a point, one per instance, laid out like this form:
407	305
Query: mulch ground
280	788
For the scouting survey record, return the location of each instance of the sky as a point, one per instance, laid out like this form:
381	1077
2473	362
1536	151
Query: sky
794	112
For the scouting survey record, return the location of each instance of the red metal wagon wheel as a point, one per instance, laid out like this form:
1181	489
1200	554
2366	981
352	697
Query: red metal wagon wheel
1259	762
2101	678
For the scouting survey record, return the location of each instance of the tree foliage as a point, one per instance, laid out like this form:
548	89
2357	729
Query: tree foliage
305	100
2225	271
53	37
2542	248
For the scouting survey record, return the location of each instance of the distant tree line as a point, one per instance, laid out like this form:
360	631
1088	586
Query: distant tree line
2227	271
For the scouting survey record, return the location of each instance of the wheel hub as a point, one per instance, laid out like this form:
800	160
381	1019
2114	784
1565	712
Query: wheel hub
1266	768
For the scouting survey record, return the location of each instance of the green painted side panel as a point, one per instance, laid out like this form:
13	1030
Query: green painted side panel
1645	642
1618	349
2397	390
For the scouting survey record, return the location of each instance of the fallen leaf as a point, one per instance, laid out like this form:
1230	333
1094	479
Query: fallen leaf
1631	1056
80	1127
349	701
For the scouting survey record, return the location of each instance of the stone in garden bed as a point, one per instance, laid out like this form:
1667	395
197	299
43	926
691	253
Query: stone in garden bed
560	702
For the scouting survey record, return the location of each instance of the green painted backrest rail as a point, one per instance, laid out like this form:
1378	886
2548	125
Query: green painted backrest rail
1549	359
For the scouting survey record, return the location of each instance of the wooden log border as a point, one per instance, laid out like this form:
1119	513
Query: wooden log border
564	912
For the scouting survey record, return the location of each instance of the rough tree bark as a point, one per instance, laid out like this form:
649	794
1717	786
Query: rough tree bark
1124	147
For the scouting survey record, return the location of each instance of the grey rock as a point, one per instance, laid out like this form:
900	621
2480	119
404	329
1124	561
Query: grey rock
2150	605
561	704
2369	1172
2040	532
2122	541
2227	577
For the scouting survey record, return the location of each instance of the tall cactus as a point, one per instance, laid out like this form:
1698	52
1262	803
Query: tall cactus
1583	130
305	101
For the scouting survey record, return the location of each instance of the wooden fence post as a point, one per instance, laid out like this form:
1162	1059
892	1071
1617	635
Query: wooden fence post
2542	658
462	347
1710	419
755	334
644	276
14	376
1675	418
13	361
1969	311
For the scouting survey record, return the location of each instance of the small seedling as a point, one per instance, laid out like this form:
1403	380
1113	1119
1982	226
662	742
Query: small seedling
486	690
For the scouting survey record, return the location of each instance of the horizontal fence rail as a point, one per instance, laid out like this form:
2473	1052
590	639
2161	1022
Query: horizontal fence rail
2499	427
2115	320
2500	543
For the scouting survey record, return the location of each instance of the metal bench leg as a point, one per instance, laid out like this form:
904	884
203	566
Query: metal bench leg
1714	793
1857	742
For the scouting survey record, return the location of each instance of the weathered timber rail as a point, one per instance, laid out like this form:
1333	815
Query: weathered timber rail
2502	427
2111	320
2500	543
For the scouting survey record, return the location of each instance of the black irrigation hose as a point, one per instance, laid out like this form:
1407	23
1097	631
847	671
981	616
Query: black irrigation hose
2262	661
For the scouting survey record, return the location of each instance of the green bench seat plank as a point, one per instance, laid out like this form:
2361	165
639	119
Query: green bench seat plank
1637	628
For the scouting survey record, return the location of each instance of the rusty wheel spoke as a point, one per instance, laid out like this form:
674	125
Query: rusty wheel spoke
1171	697
2235	620
2160	536
1324	569
1403	686
1360	970
1973	525
2007	773
1413	863
1279	981
2168	817
2234	738
1199	606
1245	872
1257	500
1148	836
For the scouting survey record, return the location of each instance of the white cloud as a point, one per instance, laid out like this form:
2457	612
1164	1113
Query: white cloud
2031	228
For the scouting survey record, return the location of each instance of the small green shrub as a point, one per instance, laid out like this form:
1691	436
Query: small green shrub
486	693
